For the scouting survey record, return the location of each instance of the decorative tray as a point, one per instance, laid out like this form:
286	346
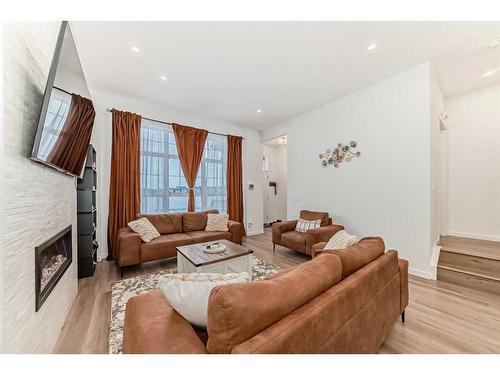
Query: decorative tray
214	248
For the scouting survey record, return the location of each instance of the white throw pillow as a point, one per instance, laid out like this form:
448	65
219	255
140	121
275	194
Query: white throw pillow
304	225
188	293
341	240
217	223
144	228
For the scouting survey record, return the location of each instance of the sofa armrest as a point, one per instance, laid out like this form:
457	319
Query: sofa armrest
403	277
153	326
128	250
317	248
322	234
282	227
237	231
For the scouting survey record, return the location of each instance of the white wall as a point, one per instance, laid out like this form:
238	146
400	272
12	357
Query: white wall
2	177
474	164
275	204
387	191
38	201
437	106
102	140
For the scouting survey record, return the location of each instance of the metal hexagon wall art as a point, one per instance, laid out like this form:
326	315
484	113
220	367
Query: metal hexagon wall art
339	154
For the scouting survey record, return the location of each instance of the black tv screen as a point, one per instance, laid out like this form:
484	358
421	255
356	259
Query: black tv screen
67	114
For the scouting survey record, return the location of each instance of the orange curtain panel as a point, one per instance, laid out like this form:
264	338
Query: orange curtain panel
234	178
124	191
70	150
190	145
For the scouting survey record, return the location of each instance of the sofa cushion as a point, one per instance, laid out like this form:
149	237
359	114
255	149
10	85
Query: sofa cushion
238	312
153	326
199	236
195	220
188	293
341	240
355	257
165	223
164	246
144	228
217	223
294	240
313	215
304	225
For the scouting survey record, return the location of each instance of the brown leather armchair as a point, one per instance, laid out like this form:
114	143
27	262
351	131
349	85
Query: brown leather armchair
284	233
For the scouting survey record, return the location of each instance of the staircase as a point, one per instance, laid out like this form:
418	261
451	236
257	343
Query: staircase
470	262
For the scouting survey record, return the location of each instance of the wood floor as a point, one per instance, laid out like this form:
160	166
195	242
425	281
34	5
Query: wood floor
441	317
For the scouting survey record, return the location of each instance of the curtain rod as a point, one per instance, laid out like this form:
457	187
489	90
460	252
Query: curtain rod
63	90
169	123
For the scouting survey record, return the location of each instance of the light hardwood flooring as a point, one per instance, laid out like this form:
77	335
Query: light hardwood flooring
440	318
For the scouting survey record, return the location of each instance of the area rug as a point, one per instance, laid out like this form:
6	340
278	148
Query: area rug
122	290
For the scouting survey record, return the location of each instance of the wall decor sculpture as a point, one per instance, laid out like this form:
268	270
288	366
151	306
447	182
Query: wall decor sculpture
339	154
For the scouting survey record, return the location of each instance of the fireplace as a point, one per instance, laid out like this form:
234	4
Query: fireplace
52	259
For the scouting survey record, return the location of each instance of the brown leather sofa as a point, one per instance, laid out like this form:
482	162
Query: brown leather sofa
339	302
176	229
284	233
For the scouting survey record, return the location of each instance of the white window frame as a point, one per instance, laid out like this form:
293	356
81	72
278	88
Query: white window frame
200	191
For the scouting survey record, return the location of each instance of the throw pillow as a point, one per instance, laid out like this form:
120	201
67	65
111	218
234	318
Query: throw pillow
304	225
217	223
341	240
144	228
188	293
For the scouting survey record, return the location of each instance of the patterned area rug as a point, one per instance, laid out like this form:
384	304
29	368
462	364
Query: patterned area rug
122	290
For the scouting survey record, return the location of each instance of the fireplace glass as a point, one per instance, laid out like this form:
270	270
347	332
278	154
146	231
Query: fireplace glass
52	258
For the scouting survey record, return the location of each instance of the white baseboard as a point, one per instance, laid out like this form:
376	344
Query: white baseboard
256	232
475	236
425	275
436	250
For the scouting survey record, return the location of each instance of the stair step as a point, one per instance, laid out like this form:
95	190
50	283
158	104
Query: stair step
468	272
477	266
468	280
470	246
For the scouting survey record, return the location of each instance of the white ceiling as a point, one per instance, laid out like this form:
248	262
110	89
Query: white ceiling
228	70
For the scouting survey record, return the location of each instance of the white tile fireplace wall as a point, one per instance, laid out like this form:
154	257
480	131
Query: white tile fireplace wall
38	201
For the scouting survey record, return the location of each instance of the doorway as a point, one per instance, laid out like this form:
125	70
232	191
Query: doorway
274	167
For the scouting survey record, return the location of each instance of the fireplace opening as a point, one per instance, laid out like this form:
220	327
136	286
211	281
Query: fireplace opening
52	259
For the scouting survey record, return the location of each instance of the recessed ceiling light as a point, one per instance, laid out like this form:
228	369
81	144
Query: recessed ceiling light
282	140
492	44
371	47
490	73
163	78
259	110
135	49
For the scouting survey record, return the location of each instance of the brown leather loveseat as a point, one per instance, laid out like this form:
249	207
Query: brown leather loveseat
176	229
284	233
339	302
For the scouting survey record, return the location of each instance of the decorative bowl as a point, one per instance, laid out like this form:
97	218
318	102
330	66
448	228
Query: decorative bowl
214	248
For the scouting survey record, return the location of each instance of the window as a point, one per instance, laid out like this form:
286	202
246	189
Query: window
163	186
57	112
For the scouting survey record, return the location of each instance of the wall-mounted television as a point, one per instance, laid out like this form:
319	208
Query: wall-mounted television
67	113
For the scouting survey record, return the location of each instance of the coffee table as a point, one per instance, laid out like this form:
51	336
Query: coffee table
235	258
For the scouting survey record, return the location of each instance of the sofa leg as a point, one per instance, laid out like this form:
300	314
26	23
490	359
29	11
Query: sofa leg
121	272
274	248
403	316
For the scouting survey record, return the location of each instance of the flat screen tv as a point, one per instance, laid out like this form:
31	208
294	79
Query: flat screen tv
67	114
